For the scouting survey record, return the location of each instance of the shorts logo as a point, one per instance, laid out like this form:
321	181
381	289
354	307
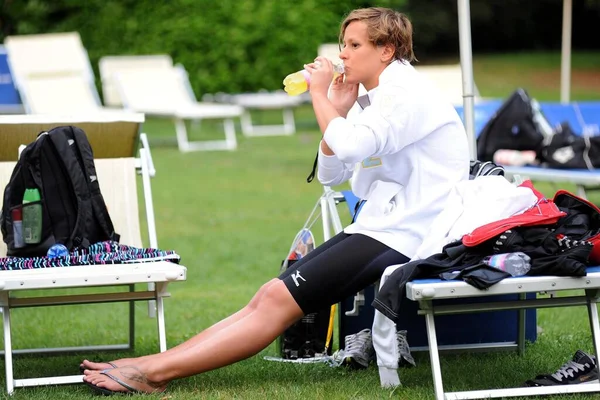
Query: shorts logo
295	276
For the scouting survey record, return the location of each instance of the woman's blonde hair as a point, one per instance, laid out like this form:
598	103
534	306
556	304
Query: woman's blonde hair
384	27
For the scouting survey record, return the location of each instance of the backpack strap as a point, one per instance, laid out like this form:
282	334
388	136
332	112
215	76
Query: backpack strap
67	155
97	201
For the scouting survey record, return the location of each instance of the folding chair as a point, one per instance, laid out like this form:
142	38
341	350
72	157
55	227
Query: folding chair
52	73
117	178
428	292
166	92
110	66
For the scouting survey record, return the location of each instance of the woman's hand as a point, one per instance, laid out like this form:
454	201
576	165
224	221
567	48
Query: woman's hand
342	95
321	75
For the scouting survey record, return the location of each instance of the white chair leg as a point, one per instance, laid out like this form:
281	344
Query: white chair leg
181	132
288	121
230	138
246	121
184	144
131	320
592	307
160	317
434	355
521	326
8	361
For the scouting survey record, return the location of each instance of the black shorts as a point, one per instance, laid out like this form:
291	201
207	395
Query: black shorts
340	267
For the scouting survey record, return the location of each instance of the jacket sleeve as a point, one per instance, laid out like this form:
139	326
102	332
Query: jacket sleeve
332	171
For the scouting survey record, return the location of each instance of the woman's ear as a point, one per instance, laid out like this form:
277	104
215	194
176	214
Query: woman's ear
387	55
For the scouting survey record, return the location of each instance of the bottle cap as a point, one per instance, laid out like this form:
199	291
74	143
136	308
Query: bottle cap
57	250
31	195
16	214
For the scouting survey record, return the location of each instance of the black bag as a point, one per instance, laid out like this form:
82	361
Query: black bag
60	164
307	337
515	126
567	150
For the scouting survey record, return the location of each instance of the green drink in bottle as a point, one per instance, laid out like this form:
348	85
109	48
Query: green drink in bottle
32	216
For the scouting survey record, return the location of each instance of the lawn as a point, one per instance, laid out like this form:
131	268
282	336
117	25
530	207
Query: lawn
231	216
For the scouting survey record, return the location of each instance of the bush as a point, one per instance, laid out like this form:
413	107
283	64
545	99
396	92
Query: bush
226	45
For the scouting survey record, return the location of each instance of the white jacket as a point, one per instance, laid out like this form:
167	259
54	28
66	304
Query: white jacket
404	154
470	205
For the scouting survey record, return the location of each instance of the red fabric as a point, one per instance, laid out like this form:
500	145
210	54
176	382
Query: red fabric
545	212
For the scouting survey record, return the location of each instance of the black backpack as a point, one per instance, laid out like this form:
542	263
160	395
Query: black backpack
515	126
60	164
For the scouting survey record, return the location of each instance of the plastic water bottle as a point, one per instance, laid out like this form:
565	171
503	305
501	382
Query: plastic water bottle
516	264
17	223
32	216
299	82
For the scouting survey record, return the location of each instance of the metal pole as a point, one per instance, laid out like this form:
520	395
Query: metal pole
565	64
466	63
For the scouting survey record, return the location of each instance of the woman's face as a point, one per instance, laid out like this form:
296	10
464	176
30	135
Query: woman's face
363	61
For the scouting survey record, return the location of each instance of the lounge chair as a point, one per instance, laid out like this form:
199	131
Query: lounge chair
166	92
52	73
118	182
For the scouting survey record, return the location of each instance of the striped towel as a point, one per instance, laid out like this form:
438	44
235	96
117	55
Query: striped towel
108	252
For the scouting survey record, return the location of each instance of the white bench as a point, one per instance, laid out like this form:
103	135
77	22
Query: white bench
427	291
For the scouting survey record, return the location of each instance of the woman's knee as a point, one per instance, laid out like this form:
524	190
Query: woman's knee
277	300
260	293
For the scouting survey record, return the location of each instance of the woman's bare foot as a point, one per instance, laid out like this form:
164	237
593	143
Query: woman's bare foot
101	366
125	379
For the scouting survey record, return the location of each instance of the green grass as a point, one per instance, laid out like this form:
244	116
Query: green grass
498	75
232	216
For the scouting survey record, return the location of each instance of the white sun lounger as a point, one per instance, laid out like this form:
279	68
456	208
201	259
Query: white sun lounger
166	92
52	73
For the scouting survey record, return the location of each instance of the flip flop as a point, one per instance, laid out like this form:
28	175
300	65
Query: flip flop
108	392
81	369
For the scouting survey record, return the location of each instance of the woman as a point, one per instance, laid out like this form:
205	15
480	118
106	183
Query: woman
404	148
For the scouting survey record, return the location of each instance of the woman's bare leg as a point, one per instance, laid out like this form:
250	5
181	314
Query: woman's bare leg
269	317
205	334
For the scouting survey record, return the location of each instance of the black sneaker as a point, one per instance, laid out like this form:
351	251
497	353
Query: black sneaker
581	369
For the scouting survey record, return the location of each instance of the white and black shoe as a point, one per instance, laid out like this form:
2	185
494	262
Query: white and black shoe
359	350
581	369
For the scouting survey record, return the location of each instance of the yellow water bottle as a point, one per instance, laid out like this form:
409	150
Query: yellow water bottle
299	82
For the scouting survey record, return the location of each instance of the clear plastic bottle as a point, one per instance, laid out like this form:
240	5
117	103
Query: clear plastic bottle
516	264
299	82
32	216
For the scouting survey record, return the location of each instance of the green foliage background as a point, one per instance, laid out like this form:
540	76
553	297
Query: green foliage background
246	45
225	45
